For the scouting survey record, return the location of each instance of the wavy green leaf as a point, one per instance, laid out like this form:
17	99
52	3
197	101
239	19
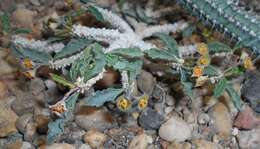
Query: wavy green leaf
169	42
62	80
234	96
100	97
128	52
74	46
220	87
158	54
217	47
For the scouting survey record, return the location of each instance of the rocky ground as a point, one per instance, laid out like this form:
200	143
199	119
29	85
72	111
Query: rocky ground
170	123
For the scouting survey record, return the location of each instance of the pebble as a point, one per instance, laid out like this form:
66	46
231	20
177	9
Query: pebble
25	103
222	122
7	120
203	144
5	68
246	119
30	132
146	82
170	101
27	145
23	17
175	145
93	118
95	138
150	119
250	89
203	118
3	90
140	142
249	139
41	123
59	146
175	129
22	122
84	146
35	2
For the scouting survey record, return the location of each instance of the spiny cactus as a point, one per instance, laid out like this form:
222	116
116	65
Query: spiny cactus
230	18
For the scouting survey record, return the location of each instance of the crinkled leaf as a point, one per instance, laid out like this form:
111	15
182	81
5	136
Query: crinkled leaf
134	68
34	55
100	97
94	11
169	42
142	16
217	47
62	80
55	129
5	22
116	61
90	64
128	52
161	55
234	96
220	87
70	105
187	86
210	71
74	46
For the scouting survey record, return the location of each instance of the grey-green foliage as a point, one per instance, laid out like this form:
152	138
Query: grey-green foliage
90	64
187	85
74	46
33	54
210	71
94	11
234	96
128	52
159	54
220	87
100	97
229	18
217	47
56	127
126	59
169	42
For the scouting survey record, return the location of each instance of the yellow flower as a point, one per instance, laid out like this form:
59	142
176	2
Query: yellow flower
197	71
29	74
204	60
248	64
143	102
123	103
203	49
58	108
27	63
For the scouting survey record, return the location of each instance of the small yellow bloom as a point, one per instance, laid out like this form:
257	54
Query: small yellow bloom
204	60
27	63
58	108
197	71
143	102
123	104
248	64
29	74
203	49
